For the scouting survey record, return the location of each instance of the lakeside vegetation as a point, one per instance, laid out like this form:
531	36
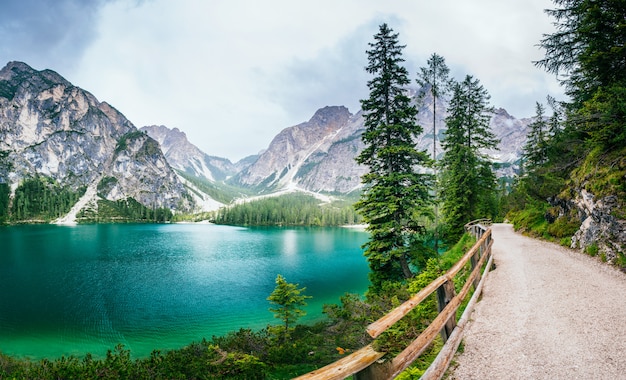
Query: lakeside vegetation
289	210
265	354
39	199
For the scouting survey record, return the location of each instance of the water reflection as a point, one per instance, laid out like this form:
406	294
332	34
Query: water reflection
87	288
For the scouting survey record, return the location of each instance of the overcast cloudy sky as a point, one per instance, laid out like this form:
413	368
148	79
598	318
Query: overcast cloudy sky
233	73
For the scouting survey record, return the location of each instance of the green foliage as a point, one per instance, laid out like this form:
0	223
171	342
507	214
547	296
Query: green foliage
563	226
585	142
5	192
602	174
588	46
468	183
531	218
122	143
288	210
394	192
196	361
536	147
403	332
347	322
42	199
125	211
592	250
289	302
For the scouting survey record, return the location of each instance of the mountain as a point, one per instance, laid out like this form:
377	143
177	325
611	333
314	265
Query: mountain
188	158
319	155
52	129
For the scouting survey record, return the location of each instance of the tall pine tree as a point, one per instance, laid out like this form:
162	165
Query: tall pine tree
536	147
395	193
469	185
588	52
434	79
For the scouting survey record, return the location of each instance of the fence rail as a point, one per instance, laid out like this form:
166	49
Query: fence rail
367	363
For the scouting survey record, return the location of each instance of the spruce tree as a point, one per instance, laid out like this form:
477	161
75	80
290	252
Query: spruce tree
289	302
434	79
469	184
535	149
588	53
395	193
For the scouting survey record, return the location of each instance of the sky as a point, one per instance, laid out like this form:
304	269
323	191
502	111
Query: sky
232	74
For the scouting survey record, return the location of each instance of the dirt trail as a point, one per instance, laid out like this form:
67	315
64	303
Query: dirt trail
546	313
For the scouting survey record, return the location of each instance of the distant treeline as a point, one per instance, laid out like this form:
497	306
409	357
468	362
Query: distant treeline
38	198
291	210
124	211
42	199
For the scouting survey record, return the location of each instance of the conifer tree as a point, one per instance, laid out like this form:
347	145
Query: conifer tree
289	302
395	193
588	52
468	182
535	149
434	79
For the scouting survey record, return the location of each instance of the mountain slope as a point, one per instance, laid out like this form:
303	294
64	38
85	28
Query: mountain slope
50	128
185	156
279	166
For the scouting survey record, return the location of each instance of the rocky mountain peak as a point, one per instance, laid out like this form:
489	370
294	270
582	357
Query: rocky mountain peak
188	158
280	164
330	115
50	128
18	75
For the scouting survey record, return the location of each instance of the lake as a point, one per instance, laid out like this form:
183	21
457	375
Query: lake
70	290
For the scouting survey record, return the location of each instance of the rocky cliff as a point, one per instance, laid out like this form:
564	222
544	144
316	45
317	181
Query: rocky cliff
599	227
48	127
297	154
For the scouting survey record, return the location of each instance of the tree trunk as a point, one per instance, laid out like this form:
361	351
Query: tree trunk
405	268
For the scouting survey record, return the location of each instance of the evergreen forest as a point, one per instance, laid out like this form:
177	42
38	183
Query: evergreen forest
289	210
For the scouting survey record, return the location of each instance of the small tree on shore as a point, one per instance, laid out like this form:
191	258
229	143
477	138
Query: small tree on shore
289	302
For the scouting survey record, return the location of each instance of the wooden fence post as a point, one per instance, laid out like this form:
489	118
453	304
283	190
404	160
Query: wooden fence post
379	370
474	261
445	293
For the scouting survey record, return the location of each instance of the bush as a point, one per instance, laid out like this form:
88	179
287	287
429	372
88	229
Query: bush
592	250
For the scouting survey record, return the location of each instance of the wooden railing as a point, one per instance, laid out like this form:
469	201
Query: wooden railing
367	363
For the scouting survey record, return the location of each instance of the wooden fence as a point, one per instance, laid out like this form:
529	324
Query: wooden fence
368	364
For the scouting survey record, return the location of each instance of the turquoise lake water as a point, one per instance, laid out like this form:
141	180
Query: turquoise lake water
70	290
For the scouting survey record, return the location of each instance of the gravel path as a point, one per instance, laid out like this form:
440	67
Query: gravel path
546	313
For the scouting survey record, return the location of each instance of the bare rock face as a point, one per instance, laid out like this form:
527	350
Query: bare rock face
297	149
599	227
48	127
188	158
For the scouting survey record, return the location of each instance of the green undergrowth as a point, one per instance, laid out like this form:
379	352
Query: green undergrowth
401	334
603	174
541	220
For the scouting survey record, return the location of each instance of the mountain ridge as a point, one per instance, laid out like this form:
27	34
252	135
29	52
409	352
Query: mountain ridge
50	127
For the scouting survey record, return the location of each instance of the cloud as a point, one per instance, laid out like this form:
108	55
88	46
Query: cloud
233	73
47	33
334	76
